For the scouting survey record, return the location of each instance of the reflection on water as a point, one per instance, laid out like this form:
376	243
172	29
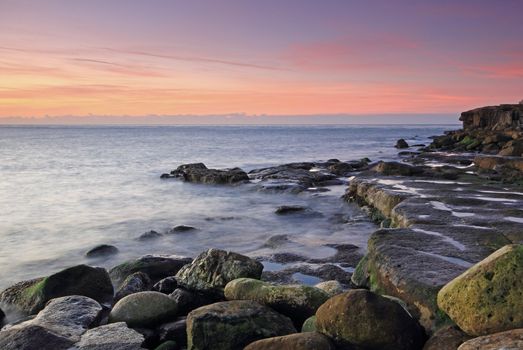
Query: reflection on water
67	189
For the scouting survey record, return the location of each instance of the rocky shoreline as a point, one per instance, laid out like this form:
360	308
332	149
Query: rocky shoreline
443	271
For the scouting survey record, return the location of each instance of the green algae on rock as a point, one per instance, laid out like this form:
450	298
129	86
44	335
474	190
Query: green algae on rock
31	296
295	301
360	318
144	309
488	297
231	325
214	268
309	325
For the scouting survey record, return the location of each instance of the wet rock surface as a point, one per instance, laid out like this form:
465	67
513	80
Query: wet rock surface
232	325
213	269
156	267
101	250
199	173
31	296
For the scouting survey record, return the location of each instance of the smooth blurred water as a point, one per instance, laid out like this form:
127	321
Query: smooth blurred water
64	190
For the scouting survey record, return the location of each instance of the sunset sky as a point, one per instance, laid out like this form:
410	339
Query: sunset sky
276	57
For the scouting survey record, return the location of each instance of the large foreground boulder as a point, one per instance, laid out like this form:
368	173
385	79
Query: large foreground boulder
231	325
362	319
199	173
57	326
299	341
488	297
156	267
144	309
31	296
115	336
295	301
508	340
214	268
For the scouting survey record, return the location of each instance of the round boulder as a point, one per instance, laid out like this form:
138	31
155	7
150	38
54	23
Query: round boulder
231	325
488	297
360	318
298	341
101	250
144	309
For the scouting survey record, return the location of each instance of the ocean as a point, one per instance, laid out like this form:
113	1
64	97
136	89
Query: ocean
66	189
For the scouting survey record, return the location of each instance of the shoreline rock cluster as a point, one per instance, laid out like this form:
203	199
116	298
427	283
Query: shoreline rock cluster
443	271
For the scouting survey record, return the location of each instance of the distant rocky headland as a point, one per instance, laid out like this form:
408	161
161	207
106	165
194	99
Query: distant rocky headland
443	271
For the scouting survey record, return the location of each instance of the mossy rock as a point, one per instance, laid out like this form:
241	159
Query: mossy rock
214	268
156	267
362	319
309	325
31	296
488	297
231	325
144	309
295	301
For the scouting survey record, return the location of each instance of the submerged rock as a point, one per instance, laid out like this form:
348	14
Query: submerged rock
508	340
364	319
295	301
181	229
199	173
289	209
154	266
101	250
149	235
144	309
298	341
31	296
214	268
115	336
137	282
487	298
401	143
231	325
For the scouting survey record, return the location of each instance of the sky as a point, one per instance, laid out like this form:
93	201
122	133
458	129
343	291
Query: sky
194	59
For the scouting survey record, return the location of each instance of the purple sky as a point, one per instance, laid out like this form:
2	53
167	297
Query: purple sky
286	57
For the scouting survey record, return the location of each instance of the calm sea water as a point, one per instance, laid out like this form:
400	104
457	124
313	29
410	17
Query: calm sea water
64	190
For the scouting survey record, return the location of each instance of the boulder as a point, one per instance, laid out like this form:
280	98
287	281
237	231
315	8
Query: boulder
181	229
115	336
149	235
68	316
173	331
214	268
31	296
231	325
512	148
487	298
401	143
508	340
446	338
101	250
134	283
298	341
309	325
154	266
166	285
396	169
189	300
168	345
505	116
144	309
360	318
289	209
199	173
32	337
332	287
298	302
